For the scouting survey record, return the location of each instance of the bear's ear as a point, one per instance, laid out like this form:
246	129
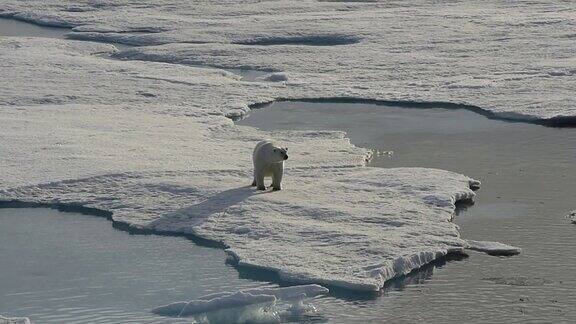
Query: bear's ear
275	150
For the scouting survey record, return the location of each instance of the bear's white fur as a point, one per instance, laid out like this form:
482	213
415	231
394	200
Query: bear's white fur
268	161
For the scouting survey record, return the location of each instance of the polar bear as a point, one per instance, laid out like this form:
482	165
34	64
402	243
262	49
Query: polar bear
268	161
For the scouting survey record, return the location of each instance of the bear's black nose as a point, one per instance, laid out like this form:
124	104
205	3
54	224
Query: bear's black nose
285	156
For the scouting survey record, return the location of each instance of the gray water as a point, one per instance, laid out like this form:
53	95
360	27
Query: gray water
16	28
528	173
71	268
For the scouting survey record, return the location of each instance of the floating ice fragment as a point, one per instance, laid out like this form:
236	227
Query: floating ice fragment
493	248
572	216
266	297
14	320
173	309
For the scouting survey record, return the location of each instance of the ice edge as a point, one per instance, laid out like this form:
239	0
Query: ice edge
387	271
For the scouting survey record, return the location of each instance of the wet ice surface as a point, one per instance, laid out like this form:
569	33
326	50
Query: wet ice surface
527	174
11	27
64	267
15	28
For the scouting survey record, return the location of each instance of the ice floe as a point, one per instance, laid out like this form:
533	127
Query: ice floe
79	131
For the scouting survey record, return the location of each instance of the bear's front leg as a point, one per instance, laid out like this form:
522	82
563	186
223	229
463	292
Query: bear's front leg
277	171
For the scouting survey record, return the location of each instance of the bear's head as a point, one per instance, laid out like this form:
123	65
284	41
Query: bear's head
279	154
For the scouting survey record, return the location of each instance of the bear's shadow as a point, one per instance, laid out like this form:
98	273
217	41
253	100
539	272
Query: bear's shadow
213	204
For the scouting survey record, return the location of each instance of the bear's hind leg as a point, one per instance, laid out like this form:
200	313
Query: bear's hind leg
255	181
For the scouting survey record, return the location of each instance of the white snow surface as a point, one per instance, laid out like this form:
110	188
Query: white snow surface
151	143
493	248
14	320
513	59
220	301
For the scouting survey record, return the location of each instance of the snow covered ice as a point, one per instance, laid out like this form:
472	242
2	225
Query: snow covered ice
500	55
152	141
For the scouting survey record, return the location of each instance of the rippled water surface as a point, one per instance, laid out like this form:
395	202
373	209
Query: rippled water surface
71	268
528	174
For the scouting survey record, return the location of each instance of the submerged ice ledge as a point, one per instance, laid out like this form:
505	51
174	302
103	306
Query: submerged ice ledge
493	248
